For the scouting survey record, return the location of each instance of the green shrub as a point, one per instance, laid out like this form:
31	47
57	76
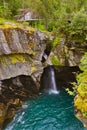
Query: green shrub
73	27
5	12
82	85
55	60
2	21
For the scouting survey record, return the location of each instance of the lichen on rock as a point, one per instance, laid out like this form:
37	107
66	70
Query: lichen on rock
21	50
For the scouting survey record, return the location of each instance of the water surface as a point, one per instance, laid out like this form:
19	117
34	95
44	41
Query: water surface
47	112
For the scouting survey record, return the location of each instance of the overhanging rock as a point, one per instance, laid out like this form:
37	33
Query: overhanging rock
21	51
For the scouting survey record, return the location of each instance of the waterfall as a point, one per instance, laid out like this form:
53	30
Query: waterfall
48	82
53	87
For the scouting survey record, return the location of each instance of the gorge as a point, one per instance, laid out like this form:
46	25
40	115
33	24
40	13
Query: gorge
24	73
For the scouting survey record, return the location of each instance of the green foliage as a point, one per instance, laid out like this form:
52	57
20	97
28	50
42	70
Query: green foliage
82	78
82	86
52	26
40	27
2	20
14	6
78	26
56	41
74	28
9	8
83	64
74	91
55	61
80	89
5	12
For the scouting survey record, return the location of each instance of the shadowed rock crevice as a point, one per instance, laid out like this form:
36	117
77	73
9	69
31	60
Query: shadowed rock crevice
66	75
47	52
12	94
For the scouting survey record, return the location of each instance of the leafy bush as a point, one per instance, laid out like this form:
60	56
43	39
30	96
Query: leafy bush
41	28
54	60
5	12
76	28
82	87
83	64
2	21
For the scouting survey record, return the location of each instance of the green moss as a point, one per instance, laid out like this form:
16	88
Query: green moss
17	58
33	68
12	59
57	40
55	61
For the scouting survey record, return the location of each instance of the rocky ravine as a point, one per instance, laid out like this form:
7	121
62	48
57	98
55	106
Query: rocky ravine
21	52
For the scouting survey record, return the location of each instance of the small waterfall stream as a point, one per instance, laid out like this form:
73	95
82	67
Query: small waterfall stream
48	82
53	86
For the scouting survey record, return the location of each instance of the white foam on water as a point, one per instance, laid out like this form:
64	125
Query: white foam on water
53	92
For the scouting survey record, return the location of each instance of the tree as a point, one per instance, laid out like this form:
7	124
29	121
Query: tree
45	9
14	6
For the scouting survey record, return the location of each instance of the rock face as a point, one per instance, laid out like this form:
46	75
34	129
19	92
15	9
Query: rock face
21	51
68	55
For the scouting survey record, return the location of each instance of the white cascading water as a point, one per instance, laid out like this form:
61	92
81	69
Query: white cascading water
53	88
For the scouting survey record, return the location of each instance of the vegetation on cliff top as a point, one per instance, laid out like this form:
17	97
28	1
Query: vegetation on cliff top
66	18
58	15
